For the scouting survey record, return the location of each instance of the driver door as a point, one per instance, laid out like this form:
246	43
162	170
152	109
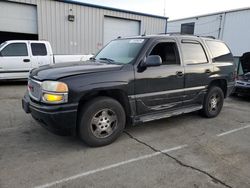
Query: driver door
14	61
161	88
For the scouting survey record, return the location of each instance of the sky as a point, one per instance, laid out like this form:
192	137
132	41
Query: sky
174	9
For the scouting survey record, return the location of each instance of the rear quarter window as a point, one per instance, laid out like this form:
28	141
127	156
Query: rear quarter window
219	51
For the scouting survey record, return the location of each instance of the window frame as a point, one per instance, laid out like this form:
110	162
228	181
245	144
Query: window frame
190	41
177	51
15	55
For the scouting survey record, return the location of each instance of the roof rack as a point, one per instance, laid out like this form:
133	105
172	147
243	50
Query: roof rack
178	33
212	37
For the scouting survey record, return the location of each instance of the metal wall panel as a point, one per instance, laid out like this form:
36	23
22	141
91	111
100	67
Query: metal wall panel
204	26
114	28
236	31
85	34
235	28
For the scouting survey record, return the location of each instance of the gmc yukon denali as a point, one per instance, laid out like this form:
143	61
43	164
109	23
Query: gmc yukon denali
131	80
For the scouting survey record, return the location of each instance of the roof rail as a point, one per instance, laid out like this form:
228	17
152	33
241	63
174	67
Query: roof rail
178	33
212	37
175	33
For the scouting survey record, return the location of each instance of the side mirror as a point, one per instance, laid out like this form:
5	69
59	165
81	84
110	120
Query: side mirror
153	61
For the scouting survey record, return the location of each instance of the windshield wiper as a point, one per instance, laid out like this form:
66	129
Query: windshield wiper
107	59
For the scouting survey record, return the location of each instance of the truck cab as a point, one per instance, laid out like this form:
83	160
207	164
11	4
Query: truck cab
18	57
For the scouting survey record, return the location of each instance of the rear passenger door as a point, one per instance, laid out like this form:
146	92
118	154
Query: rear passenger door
160	88
39	54
198	69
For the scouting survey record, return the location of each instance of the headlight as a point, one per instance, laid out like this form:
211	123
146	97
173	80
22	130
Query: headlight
54	92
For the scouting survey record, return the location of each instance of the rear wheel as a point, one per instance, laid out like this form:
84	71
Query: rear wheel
213	102
102	120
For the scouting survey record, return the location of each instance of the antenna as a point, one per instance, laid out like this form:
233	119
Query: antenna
164	7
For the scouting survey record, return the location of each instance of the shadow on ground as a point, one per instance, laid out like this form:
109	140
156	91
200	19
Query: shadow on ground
13	83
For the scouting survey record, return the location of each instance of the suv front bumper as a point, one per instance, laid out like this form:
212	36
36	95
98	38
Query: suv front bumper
242	88
60	119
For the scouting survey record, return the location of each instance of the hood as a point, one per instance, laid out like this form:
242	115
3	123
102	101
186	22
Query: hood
57	71
245	63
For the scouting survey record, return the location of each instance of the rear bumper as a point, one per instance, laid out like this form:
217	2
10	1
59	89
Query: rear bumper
60	119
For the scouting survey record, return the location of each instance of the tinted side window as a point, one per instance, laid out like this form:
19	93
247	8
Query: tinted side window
15	49
168	53
219	50
193	53
38	49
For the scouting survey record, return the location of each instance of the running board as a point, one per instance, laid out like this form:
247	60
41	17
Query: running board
156	116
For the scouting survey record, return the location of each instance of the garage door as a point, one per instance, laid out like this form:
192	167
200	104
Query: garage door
115	27
17	17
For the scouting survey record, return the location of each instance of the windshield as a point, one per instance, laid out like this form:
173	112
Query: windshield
121	51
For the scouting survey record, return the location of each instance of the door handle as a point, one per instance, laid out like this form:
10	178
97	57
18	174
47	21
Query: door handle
179	74
208	71
26	60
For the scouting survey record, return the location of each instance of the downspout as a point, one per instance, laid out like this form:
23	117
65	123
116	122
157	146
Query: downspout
166	25
223	26
219	31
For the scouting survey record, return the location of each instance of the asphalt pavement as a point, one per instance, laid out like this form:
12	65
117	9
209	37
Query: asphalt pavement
182	151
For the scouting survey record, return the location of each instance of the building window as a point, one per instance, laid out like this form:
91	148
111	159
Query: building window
187	28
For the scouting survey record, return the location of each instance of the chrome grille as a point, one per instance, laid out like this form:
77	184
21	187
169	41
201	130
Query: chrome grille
35	90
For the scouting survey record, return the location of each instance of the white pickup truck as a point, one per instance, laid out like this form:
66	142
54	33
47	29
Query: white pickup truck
18	57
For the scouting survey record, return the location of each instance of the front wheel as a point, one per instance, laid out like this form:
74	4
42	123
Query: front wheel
213	102
102	120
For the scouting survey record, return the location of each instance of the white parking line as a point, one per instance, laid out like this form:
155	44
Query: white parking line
232	131
109	167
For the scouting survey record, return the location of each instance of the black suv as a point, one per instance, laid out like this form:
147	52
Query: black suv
131	80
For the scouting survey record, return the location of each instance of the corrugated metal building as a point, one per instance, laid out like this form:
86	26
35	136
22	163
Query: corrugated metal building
231	26
72	27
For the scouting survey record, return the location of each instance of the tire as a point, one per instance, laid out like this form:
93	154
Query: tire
213	102
101	121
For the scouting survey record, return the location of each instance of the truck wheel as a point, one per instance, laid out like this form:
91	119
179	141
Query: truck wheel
101	121
213	102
